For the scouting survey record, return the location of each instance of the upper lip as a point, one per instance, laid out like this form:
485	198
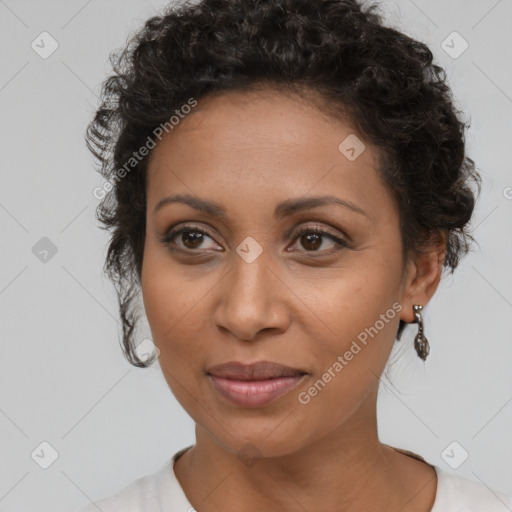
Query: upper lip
255	371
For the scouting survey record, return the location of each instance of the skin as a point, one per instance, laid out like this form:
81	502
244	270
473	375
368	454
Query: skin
248	151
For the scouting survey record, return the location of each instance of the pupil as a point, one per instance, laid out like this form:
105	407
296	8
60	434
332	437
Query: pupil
312	241
193	237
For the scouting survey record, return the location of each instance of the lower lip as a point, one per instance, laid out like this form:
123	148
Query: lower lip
254	393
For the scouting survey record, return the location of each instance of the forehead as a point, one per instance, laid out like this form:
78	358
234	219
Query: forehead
262	144
259	118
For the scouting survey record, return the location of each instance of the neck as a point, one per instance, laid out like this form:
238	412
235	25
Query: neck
347	470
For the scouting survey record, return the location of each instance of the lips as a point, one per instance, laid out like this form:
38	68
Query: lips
262	370
254	385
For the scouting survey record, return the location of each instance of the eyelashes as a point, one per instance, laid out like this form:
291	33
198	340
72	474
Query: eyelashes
321	233
313	233
167	240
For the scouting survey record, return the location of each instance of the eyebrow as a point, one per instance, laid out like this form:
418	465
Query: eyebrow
283	209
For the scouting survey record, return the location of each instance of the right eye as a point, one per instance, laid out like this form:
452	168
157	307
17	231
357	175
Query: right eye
192	237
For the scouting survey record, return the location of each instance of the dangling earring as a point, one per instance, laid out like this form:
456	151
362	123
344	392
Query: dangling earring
420	342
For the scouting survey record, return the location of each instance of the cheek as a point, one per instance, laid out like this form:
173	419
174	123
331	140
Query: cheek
174	318
351	298
349	362
173	309
356	317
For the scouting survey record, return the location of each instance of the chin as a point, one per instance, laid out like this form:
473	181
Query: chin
255	437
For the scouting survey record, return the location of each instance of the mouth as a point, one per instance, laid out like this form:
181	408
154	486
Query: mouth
254	385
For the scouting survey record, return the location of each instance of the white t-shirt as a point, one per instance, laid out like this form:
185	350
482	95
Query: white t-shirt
161	492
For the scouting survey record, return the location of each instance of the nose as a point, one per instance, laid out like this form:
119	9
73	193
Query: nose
252	300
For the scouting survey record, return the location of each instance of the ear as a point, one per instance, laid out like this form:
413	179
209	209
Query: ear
422	277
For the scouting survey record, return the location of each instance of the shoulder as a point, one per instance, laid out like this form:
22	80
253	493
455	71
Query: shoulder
131	498
146	494
456	493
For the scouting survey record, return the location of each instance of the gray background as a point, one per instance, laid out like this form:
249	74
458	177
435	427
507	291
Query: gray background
63	378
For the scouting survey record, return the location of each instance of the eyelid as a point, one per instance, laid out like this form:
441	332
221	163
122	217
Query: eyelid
341	243
178	229
294	233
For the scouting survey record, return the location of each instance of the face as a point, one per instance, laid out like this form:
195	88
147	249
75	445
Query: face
254	271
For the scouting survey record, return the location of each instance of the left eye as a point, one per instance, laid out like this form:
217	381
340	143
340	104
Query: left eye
311	239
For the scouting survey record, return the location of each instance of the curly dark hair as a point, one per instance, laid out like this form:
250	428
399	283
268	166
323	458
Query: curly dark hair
338	51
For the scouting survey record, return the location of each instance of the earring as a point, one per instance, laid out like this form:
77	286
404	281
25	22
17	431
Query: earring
420	342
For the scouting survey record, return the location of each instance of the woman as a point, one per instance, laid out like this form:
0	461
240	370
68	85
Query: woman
289	180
